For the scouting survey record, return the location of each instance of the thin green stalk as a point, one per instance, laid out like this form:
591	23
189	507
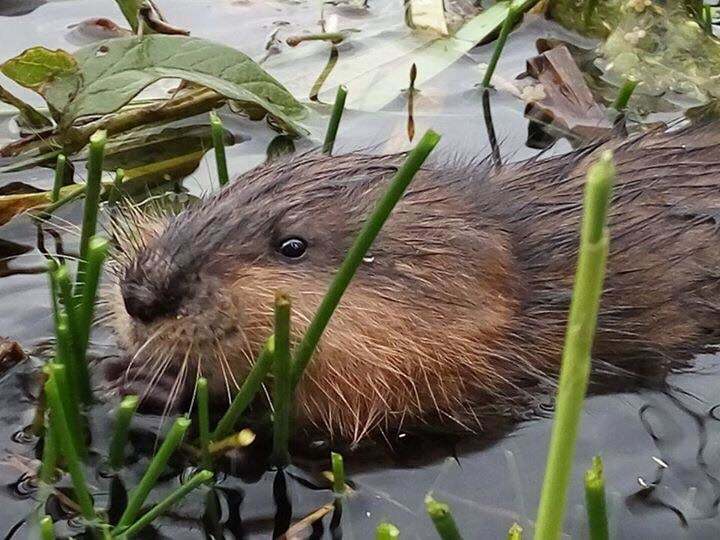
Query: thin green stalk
156	467
575	367
218	138
50	453
247	392
595	501
59	181
354	257
707	18
512	16
338	471
160	508
204	422
386	531
61	427
96	253
282	391
442	519
123	418
337	112
70	406
117	189
241	439
515	532
47	530
626	90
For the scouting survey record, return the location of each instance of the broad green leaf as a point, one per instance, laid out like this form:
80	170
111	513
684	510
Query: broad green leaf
36	67
114	71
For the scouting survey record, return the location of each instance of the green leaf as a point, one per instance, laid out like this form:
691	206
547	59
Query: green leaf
114	71
36	67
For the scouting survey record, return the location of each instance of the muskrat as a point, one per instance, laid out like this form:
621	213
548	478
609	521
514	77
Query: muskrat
460	310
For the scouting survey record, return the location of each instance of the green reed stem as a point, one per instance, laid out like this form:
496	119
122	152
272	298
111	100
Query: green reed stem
61	429
153	472
337	112
160	508
47	529
626	90
247	392
338	471
241	439
512	15
117	190
386	531
515	532
282	390
218	138
204	422
123	418
354	257
92	200
70	406
595	501
707	18
77	373
59	181
575	367
442	519
97	251
50	452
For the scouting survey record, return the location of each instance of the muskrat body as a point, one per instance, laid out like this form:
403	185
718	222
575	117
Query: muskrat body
459	311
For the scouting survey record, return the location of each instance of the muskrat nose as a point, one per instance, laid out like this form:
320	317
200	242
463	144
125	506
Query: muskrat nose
147	304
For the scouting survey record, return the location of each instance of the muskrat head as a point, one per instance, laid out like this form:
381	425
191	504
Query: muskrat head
414	335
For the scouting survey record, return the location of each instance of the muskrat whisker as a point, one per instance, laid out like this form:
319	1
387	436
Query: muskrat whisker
142	348
225	379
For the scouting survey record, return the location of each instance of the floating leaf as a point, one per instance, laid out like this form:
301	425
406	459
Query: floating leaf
114	71
34	68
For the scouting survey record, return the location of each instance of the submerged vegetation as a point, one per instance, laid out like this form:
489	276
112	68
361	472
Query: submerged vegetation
93	111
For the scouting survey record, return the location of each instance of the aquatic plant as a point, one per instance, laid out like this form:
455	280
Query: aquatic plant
595	501
337	111
218	134
442	519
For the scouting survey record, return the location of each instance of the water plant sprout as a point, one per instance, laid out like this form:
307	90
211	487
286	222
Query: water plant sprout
595	501
442	519
218	134
512	15
337	111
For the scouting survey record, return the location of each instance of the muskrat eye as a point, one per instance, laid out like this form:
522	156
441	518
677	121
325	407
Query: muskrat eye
293	248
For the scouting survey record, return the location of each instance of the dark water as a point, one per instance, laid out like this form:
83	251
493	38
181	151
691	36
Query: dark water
661	448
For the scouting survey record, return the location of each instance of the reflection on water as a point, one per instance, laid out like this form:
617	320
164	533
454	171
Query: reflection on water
661	448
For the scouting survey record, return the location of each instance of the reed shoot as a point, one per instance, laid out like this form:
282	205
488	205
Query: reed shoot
47	529
153	472
337	112
354	257
96	253
50	453
247	392
515	532
123	418
595	501
624	94
160	508
218	138
59	180
282	391
241	439
117	190
512	15
70	407
386	531
442	519
575	367
204	422
338	472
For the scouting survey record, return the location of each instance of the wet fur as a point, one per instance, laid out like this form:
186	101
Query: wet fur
461	313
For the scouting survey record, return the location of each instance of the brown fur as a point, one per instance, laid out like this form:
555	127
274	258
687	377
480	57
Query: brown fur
460	310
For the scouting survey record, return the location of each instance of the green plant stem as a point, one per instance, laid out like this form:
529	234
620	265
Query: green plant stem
160	508
575	367
332	37
241	439
626	90
515	532
50	452
59	181
595	501
442	519
155	468
512	15
707	19
61	427
337	112
204	422
47	530
354	257
338	471
218	138
282	391
70	407
117	190
97	251
123	418
386	531
247	392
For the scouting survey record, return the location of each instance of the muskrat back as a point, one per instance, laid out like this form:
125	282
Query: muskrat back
458	312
